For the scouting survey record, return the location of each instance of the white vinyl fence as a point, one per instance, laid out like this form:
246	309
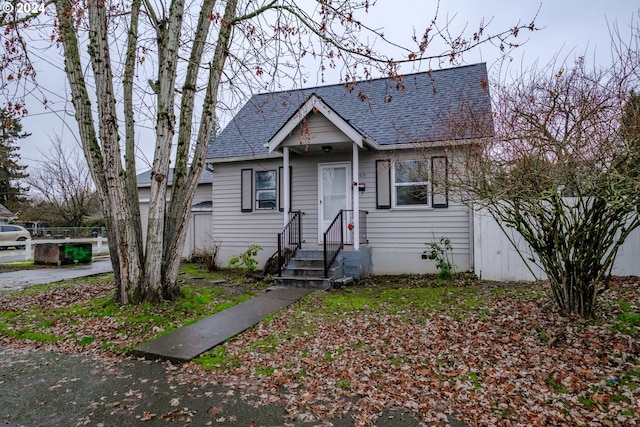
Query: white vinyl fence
26	248
495	258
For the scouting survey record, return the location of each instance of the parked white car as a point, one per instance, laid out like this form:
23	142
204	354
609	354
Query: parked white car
13	233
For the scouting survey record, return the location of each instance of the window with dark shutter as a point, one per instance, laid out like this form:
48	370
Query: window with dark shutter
266	189
383	184
410	183
246	190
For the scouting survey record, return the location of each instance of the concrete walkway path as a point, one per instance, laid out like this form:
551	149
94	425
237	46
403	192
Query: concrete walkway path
188	342
16	280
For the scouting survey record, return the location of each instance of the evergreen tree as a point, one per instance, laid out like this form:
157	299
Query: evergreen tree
11	193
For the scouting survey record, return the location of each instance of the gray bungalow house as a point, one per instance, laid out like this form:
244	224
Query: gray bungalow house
347	173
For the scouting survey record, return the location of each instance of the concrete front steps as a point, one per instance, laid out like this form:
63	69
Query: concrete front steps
306	270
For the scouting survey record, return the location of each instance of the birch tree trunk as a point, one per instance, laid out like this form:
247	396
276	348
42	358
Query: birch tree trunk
152	276
123	220
185	180
102	150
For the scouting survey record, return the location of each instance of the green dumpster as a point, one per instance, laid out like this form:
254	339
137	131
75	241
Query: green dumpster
63	253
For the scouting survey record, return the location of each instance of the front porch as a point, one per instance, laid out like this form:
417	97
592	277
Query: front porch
334	145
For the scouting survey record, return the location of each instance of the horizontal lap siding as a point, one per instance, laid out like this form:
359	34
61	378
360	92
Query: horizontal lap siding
236	230
318	130
398	236
304	194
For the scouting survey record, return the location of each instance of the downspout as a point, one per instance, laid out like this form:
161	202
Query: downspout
287	185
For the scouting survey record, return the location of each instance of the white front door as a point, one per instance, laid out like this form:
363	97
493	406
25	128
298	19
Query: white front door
334	193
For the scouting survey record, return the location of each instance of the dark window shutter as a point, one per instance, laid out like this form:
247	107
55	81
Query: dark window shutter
246	190
439	182
280	184
383	184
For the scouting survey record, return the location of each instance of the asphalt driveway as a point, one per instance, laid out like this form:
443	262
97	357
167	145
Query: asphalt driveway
40	388
16	280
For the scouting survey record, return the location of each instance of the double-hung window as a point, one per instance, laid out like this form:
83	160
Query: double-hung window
266	190
262	190
411	183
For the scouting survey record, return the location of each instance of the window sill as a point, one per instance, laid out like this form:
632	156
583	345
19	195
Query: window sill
412	208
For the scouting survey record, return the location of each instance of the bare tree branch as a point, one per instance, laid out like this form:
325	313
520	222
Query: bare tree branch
63	180
563	171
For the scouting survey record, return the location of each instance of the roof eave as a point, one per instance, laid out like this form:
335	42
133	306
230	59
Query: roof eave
429	144
231	159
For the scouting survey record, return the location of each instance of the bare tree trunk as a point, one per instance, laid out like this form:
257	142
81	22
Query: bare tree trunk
104	159
125	237
131	184
185	180
84	118
168	34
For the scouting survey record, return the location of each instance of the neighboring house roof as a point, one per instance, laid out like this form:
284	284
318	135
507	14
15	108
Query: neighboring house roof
385	112
5	213
144	178
202	206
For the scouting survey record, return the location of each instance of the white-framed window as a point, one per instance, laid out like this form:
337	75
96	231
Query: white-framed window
411	183
266	196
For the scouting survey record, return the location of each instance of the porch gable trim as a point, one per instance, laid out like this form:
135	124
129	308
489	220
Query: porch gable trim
314	104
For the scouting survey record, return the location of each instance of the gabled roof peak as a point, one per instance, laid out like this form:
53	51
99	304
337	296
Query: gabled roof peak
313	104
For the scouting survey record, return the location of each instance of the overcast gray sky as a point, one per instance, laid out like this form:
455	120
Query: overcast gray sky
568	27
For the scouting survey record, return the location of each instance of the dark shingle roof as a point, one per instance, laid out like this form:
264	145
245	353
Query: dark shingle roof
144	178
203	205
376	109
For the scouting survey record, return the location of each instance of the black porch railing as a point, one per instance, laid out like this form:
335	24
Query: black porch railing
337	235
333	240
348	219
289	240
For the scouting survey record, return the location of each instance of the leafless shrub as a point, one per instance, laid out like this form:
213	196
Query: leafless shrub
563	170
207	257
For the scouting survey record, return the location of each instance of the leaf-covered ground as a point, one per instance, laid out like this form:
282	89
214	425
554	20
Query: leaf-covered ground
484	354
